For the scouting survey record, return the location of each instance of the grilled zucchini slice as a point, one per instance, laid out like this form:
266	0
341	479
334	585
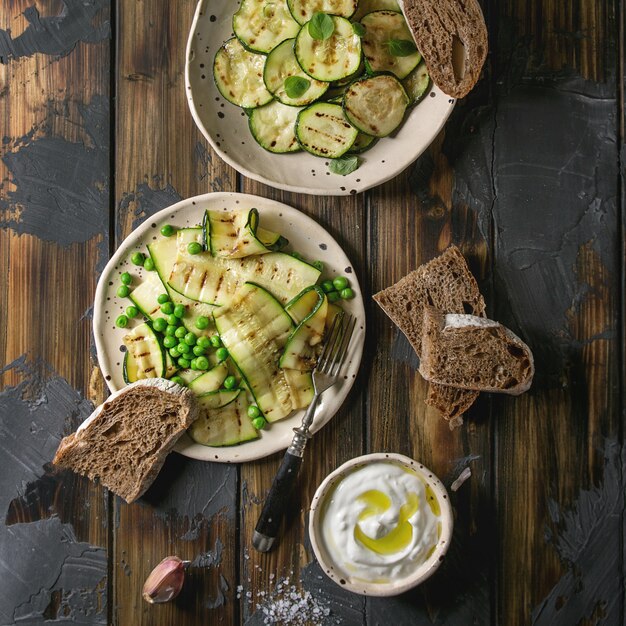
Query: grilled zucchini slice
303	10
209	381
232	234
362	143
273	127
218	398
226	426
238	75
145	357
163	253
329	59
381	28
261	25
367	6
416	84
213	280
255	329
376	104
282	64
322	129
302	348
273	241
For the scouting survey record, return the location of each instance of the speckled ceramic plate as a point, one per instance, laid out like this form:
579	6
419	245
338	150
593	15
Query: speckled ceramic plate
226	125
304	234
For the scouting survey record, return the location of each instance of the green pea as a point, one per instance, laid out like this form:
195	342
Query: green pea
333	296
194	248
190	339
259	423
126	278
132	311
318	265
183	347
230	382
170	330
172	320
183	362
180	332
170	342
253	411
204	342
341	282
202	322
167	230
179	310
193	364
347	293
202	362
178	380
138	258
167	308
174	353
148	265
198	350
159	324
163	298
221	354
216	342
123	291
121	321
327	286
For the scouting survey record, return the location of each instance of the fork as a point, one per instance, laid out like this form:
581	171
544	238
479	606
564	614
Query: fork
325	375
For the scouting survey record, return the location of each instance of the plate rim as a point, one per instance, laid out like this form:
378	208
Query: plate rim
242	169
226	454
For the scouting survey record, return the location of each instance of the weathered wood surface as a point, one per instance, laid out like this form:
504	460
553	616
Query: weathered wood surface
527	178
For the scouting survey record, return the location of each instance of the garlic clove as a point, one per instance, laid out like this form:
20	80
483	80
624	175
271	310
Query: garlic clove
165	580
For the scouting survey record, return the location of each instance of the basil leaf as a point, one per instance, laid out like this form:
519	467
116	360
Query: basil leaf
296	86
358	28
344	165
321	26
401	47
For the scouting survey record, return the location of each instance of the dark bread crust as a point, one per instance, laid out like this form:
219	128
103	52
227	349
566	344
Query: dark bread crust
474	356
438	26
446	283
125	445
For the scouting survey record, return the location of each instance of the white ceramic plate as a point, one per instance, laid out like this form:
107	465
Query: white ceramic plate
304	234
226	125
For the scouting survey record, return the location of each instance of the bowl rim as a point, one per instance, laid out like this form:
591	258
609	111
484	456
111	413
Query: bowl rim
422	572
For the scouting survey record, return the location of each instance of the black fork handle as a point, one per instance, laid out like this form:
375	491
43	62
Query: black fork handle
276	503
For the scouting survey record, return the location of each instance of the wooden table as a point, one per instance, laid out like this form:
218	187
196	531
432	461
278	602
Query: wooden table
525	178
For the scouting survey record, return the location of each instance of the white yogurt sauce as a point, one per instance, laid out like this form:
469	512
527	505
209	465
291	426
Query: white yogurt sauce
381	523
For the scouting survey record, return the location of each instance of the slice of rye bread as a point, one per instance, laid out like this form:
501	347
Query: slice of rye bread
125	440
452	37
446	283
475	353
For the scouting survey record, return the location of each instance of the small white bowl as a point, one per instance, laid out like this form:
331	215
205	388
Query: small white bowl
422	571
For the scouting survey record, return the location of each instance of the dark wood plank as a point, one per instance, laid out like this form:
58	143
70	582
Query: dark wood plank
557	276
54	196
337	442
411	220
161	157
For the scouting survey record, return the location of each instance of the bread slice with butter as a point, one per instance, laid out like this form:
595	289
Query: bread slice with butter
474	353
453	40
446	283
126	439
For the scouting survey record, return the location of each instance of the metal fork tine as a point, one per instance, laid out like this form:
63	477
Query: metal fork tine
335	332
343	348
